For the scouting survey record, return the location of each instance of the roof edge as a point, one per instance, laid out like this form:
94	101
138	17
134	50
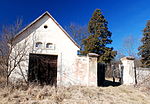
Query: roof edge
46	13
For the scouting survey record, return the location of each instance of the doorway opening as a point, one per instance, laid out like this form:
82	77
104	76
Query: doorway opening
42	69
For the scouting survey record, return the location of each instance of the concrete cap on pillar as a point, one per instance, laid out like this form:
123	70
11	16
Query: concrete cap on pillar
127	58
93	55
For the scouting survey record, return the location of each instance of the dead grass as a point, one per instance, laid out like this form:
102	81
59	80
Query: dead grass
74	95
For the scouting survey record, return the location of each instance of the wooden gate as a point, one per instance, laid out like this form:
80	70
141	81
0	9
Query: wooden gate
42	69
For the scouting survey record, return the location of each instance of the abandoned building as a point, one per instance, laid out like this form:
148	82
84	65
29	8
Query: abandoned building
48	55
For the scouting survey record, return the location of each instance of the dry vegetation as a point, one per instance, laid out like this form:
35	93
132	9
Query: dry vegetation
74	95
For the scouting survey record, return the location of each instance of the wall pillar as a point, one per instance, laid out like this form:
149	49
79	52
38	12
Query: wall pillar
128	70
92	70
85	73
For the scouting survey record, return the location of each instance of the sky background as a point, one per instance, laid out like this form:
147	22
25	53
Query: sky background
125	17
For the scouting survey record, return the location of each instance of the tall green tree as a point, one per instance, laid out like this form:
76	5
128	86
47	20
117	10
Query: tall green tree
144	49
99	38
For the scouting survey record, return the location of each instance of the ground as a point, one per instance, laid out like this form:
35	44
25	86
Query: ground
75	95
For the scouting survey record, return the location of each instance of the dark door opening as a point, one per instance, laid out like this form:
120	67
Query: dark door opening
100	74
42	69
106	75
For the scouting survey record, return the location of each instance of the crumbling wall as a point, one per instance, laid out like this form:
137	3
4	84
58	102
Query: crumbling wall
133	75
86	70
81	70
92	81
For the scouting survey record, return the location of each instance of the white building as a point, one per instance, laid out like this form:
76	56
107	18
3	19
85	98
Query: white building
48	54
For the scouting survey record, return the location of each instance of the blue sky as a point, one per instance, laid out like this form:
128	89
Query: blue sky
125	17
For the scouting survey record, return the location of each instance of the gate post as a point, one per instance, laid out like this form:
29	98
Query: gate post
128	71
121	73
113	72
92	70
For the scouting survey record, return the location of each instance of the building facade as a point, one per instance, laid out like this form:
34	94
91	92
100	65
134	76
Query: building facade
45	53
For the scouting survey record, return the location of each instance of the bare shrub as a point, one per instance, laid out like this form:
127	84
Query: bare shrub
11	54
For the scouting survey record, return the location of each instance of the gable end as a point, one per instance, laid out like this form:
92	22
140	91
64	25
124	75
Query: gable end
40	17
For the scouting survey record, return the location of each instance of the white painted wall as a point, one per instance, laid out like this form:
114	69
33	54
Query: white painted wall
132	75
64	47
86	71
128	71
71	68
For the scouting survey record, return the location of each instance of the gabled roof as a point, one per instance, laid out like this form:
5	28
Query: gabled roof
48	14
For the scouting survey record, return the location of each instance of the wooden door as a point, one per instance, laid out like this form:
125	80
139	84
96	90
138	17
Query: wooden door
42	69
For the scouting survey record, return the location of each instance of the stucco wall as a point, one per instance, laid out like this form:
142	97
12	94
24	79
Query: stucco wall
86	71
71	68
132	75
128	71
92	81
64	47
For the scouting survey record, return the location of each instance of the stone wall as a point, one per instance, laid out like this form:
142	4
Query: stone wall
143	75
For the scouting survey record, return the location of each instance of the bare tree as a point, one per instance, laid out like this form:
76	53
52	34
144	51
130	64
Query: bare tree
128	47
78	32
11	53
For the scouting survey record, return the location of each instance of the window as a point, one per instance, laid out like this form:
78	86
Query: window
38	44
50	45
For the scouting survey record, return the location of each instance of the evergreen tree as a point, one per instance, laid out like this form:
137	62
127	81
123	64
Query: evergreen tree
99	37
144	49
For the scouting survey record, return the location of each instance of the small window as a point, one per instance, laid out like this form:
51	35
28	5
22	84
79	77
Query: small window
45	26
38	44
50	45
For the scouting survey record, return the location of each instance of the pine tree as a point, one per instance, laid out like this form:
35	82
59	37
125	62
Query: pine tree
99	37
144	49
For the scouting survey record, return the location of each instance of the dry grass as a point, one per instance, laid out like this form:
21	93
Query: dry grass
74	95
